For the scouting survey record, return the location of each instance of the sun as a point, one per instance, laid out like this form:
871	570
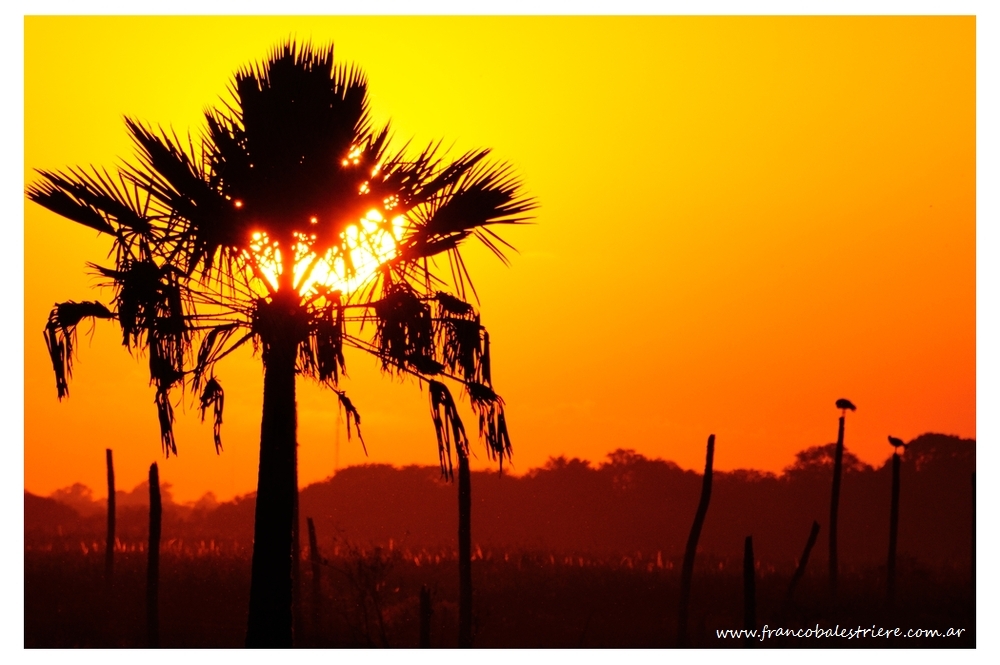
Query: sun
364	246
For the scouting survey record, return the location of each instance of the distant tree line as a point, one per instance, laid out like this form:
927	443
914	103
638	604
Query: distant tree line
627	504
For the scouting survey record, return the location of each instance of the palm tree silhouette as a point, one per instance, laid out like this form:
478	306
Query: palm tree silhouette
289	224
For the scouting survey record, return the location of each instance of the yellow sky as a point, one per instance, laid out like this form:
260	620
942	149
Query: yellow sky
741	220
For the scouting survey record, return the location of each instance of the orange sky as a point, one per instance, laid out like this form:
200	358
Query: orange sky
741	220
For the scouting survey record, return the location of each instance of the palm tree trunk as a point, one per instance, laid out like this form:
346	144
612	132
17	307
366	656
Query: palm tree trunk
464	552
109	546
687	571
297	617
749	591
153	559
269	623
838	461
890	567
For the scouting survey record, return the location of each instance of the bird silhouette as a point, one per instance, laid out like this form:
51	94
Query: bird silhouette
845	404
896	443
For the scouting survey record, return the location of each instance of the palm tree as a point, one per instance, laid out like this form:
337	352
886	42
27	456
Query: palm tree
288	225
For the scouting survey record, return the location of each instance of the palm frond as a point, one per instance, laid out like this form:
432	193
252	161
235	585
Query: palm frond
211	222
165	415
84	197
211	349
492	421
448	427
479	197
213	396
51	196
60	336
404	331
352	414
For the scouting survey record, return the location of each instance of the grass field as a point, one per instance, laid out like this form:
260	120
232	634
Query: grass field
370	597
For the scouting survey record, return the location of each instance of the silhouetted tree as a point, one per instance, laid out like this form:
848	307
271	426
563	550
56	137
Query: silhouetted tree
153	559
286	222
838	459
687	571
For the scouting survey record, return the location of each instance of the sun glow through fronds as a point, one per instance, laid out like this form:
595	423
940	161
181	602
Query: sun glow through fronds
364	246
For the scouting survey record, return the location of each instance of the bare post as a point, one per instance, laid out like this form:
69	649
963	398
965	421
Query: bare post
692	545
890	567
838	461
425	617
317	591
153	559
972	560
800	570
109	549
749	591
464	551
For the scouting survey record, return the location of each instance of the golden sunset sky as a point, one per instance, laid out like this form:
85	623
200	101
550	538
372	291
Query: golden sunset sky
740	221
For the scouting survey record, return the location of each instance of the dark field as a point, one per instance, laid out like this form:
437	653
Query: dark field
370	598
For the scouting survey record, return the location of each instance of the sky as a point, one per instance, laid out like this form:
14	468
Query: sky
740	221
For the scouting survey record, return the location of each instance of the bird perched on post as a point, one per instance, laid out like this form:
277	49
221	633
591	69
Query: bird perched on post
896	443
845	404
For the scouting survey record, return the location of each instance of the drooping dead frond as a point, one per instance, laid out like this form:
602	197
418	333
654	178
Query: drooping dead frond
492	422
213	396
462	340
322	354
352	413
453	306
165	414
404	333
210	351
149	301
448	426
486	374
60	336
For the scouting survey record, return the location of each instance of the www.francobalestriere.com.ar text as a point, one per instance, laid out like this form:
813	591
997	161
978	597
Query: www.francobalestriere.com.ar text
877	632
